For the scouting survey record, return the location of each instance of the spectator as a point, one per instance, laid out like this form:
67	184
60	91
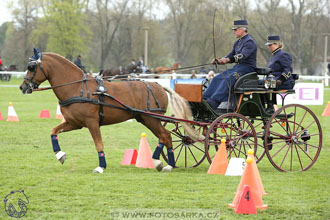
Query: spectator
140	63
79	64
210	75
203	70
193	74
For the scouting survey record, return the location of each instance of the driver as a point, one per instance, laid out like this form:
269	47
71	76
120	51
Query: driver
243	54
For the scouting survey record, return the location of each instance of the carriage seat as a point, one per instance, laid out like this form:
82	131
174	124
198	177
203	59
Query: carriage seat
248	82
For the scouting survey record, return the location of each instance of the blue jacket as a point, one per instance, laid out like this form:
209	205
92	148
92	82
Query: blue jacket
78	63
281	65
244	52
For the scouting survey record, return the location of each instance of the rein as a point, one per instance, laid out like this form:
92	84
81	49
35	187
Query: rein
70	83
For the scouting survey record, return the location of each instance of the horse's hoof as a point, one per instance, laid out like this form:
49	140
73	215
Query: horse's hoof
61	156
168	168
158	164
98	170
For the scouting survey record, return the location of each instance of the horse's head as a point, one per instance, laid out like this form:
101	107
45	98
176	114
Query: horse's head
175	66
35	74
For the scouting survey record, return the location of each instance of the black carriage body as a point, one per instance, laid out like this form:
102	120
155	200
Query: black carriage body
289	142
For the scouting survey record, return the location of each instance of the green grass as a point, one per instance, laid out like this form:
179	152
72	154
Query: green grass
72	191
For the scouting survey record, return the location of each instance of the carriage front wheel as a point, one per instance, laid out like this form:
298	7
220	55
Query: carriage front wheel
188	153
238	132
293	138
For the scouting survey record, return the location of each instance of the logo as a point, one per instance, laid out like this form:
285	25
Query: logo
15	204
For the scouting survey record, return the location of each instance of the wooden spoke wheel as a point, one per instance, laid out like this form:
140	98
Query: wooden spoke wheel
238	132
259	126
293	138
187	152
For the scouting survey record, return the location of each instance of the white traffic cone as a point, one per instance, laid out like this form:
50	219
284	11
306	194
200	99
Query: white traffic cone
58	112
12	116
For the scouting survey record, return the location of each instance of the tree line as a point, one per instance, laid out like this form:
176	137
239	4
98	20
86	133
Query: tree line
110	33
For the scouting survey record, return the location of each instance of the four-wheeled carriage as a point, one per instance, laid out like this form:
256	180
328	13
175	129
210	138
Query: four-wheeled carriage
291	137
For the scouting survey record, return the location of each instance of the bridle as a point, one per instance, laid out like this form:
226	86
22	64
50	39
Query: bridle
33	67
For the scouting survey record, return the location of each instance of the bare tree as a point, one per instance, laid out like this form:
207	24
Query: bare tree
182	15
25	16
109	23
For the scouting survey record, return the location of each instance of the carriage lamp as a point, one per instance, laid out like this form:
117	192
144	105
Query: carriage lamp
305	136
270	82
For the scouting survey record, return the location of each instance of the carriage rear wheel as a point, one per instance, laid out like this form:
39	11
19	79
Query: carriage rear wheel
187	152
238	132
259	126
293	138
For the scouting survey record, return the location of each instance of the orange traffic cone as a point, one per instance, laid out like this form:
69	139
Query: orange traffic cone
129	157
12	116
249	178
220	163
44	113
326	111
144	158
258	178
58	112
1	118
246	204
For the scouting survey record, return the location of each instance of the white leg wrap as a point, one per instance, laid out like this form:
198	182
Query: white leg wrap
61	156
98	170
168	168
158	164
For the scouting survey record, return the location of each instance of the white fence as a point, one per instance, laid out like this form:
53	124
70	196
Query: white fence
187	76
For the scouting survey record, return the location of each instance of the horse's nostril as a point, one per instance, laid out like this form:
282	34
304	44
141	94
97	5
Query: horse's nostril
20	87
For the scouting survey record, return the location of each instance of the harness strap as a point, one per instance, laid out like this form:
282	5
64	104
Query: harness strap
84	80
100	88
153	95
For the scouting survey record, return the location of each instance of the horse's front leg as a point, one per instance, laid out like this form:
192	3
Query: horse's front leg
96	135
63	127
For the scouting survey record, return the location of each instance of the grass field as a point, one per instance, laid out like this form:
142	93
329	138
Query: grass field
72	191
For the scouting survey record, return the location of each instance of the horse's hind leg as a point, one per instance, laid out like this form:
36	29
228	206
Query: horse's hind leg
165	139
63	127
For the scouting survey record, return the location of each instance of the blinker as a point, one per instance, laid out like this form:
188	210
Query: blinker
32	67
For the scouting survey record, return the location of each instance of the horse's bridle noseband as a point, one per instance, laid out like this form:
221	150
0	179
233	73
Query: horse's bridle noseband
33	67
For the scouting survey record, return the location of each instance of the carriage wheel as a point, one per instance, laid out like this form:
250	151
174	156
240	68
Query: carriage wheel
238	132
260	126
294	138
187	152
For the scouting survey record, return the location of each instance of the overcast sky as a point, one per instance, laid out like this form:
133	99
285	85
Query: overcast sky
5	14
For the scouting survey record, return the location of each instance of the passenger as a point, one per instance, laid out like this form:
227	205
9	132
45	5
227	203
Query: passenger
244	54
281	65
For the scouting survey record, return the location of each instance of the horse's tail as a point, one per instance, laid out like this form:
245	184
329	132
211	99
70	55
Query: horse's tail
181	109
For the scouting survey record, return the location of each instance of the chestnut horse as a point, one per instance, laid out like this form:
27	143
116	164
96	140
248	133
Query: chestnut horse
82	97
166	69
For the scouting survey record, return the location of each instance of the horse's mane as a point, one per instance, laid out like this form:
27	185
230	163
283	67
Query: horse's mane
60	56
